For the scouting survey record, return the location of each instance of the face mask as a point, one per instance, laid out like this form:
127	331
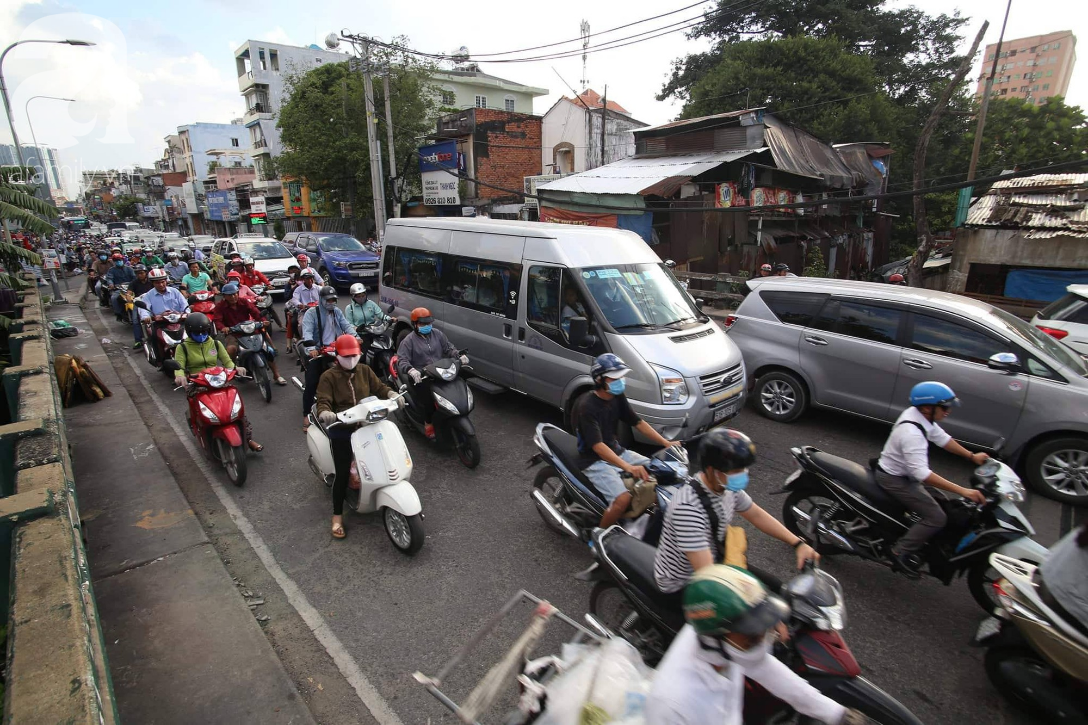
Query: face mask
349	362
200	337
749	658
737	481
360	300
616	387
119	263
330	306
102	257
424	329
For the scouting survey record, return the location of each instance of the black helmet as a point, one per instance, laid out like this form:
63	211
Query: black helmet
781	267
326	292
723	449
197	323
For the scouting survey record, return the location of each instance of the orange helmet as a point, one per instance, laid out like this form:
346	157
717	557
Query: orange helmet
347	345
419	313
897	279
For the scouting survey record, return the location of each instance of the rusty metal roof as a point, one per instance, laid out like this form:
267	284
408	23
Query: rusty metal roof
1044	206
659	176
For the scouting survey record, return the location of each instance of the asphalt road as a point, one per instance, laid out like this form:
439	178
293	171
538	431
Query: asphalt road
396	615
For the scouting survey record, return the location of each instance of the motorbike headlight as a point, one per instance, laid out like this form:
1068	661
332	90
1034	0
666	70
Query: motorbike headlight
468	390
218	380
674	389
207	413
446	404
447	374
236	407
1015	494
248	327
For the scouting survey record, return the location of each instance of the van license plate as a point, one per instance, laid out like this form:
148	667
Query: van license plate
726	412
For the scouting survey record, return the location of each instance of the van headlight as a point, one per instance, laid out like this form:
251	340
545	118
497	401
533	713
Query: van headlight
674	389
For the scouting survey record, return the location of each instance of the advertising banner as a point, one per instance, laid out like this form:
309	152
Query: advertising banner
580	218
222	205
438	165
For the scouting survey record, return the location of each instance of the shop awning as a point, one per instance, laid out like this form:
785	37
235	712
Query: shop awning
658	176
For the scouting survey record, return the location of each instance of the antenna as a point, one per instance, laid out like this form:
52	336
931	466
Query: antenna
585	45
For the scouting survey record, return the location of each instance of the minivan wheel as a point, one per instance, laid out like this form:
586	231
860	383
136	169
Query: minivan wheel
780	396
1058	469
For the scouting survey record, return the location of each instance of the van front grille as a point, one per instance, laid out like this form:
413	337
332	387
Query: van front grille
692	336
714	383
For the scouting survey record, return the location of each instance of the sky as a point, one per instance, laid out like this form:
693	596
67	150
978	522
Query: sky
158	65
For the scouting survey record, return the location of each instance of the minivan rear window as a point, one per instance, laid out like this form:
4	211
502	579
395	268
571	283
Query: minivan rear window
793	308
1070	308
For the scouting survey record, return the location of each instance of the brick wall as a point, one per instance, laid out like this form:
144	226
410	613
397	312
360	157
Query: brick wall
507	149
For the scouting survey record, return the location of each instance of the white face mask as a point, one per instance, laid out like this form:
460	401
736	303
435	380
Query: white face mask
349	362
748	658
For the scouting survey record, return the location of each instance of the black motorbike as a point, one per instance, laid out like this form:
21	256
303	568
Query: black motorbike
857	517
453	401
379	344
569	503
626	600
264	304
255	354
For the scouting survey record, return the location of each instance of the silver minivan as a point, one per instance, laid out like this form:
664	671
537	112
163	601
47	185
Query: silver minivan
534	303
860	347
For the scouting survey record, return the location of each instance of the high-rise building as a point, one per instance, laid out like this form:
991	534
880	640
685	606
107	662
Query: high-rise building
44	160
1033	68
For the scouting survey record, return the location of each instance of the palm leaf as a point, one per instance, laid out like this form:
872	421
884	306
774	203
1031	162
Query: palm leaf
12	281
14	195
13	252
26	219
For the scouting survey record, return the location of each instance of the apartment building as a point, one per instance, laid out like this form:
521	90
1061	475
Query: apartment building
1034	68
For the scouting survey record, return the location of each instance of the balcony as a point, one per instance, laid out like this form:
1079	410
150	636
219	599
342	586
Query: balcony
252	77
256	113
271	187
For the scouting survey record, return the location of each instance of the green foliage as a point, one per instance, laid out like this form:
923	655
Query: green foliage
323	124
278	229
18	204
1018	133
814	262
125	206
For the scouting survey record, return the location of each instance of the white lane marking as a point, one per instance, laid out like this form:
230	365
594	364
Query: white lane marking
347	665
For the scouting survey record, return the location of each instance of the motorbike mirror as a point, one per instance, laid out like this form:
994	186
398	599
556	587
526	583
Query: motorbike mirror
171	365
139	303
1006	362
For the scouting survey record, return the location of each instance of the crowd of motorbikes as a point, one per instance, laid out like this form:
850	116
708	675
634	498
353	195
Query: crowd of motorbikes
1033	656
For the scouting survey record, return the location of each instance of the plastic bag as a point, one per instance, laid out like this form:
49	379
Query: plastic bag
353	478
609	684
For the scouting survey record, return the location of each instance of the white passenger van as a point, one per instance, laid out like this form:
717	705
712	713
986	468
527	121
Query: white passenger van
534	303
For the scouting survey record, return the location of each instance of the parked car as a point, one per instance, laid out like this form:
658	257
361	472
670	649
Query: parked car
860	347
340	259
1066	318
269	256
289	239
203	242
534	303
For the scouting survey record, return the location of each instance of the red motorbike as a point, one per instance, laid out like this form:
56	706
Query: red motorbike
204	302
217	418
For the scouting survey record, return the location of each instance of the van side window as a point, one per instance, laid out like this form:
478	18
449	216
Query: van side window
941	337
793	308
417	271
860	320
484	286
553	300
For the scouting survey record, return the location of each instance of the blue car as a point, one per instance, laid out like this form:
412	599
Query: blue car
340	259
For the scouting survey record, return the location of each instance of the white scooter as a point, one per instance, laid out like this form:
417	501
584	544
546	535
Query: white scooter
384	467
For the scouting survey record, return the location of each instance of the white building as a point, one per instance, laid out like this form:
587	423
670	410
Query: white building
571	134
469	87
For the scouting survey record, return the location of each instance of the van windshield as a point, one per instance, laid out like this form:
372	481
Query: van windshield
634	296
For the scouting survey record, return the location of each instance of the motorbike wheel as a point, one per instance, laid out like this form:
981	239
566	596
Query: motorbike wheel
233	459
608	604
466	446
550	483
150	354
980	582
1008	667
264	382
807	500
406	532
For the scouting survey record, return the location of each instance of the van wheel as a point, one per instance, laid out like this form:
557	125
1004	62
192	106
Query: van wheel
1058	469
780	396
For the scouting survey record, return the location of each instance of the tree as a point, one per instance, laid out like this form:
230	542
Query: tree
323	124
18	204
125	207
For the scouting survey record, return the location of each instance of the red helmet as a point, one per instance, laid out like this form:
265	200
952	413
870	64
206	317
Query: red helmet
347	345
418	313
234	275
897	279
303	259
118	256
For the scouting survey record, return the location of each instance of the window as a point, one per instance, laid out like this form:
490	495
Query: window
449	98
1002	91
508	103
1071	308
860	320
274	57
1046	86
1055	46
793	308
1049	73
1016	77
234	142
418	271
554	299
1032	49
941	337
1035	87
1031	63
481	101
482	286
1053	59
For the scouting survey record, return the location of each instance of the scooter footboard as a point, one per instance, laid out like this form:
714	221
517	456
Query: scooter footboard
400	497
860	694
1025	549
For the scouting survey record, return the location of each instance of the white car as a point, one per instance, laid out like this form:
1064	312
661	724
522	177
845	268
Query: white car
1066	318
269	256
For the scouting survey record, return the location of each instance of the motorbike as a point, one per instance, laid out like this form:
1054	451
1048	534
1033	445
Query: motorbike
264	304
203	302
383	469
254	354
293	315
379	344
92	279
568	502
162	334
626	600
857	517
216	418
453	402
103	294
1034	657
127	304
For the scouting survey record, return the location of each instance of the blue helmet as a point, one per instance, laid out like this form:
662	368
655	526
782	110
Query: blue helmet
933	393
610	365
230	288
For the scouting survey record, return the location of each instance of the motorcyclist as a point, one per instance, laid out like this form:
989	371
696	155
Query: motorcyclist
766	270
594	419
418	349
139	287
250	274
729	635
897	279
149	259
118	277
305	293
233	310
903	468
321	325
200	351
340	387
243	290
699	514
783	270
160	300
197	280
174	267
101	266
362	311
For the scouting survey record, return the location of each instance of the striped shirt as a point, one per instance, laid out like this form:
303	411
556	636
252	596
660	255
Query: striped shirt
687	528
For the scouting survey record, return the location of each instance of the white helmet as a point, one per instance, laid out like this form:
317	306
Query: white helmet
357	289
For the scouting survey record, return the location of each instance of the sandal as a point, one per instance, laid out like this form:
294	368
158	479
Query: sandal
281	381
338	531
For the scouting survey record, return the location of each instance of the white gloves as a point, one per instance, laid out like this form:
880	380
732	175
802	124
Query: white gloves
464	359
415	376
326	417
240	370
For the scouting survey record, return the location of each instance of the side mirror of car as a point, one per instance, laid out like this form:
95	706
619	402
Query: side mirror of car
139	303
171	365
699	303
1006	362
579	333
670	263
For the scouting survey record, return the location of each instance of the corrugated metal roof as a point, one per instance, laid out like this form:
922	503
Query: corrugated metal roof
660	175
1059	209
1042	180
703	119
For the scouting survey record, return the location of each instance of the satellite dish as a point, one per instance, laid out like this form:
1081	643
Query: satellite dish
332	41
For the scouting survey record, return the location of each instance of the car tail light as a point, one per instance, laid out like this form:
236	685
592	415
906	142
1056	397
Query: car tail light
1054	332
729	320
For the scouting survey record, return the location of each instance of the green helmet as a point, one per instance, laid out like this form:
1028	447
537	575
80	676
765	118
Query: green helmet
721	599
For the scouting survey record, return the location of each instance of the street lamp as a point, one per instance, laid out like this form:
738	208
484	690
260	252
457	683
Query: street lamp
37	148
4	87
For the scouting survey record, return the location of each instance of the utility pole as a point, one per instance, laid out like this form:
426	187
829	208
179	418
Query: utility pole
987	89
389	137
604	121
376	175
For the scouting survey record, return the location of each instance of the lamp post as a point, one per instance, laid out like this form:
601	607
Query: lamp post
4	86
